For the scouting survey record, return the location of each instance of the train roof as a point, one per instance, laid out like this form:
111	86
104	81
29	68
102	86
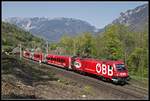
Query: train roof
59	55
107	61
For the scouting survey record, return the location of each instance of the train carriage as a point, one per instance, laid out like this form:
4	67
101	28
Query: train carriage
38	56
58	60
26	54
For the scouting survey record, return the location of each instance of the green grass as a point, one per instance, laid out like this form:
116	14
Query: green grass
139	78
88	90
141	81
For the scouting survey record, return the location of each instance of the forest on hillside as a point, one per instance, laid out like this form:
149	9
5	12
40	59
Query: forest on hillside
117	42
12	36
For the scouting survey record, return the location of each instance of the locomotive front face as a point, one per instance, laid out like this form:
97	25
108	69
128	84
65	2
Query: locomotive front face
121	73
121	70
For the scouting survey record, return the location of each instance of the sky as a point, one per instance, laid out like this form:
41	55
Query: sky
97	13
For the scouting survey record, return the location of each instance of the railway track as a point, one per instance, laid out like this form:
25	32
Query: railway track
136	89
116	91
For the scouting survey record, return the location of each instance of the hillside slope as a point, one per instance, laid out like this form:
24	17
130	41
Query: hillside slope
12	36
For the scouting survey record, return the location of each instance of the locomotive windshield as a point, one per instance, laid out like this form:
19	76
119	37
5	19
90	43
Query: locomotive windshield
120	67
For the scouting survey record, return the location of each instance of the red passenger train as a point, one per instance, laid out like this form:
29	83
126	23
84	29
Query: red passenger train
115	71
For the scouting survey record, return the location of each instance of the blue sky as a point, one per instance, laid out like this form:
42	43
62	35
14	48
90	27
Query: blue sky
97	13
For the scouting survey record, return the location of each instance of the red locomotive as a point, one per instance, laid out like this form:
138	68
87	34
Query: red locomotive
110	70
106	69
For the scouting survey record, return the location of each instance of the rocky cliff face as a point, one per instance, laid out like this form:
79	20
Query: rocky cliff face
136	18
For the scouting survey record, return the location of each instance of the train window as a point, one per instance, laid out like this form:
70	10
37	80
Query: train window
62	60
47	58
59	60
120	67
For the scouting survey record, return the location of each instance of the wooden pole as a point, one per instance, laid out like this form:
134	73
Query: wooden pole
47	48
20	52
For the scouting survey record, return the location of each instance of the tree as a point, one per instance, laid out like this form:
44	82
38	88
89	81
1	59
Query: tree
87	43
67	42
113	48
134	60
84	44
138	59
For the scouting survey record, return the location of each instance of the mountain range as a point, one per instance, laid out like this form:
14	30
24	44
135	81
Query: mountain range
52	29
136	18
